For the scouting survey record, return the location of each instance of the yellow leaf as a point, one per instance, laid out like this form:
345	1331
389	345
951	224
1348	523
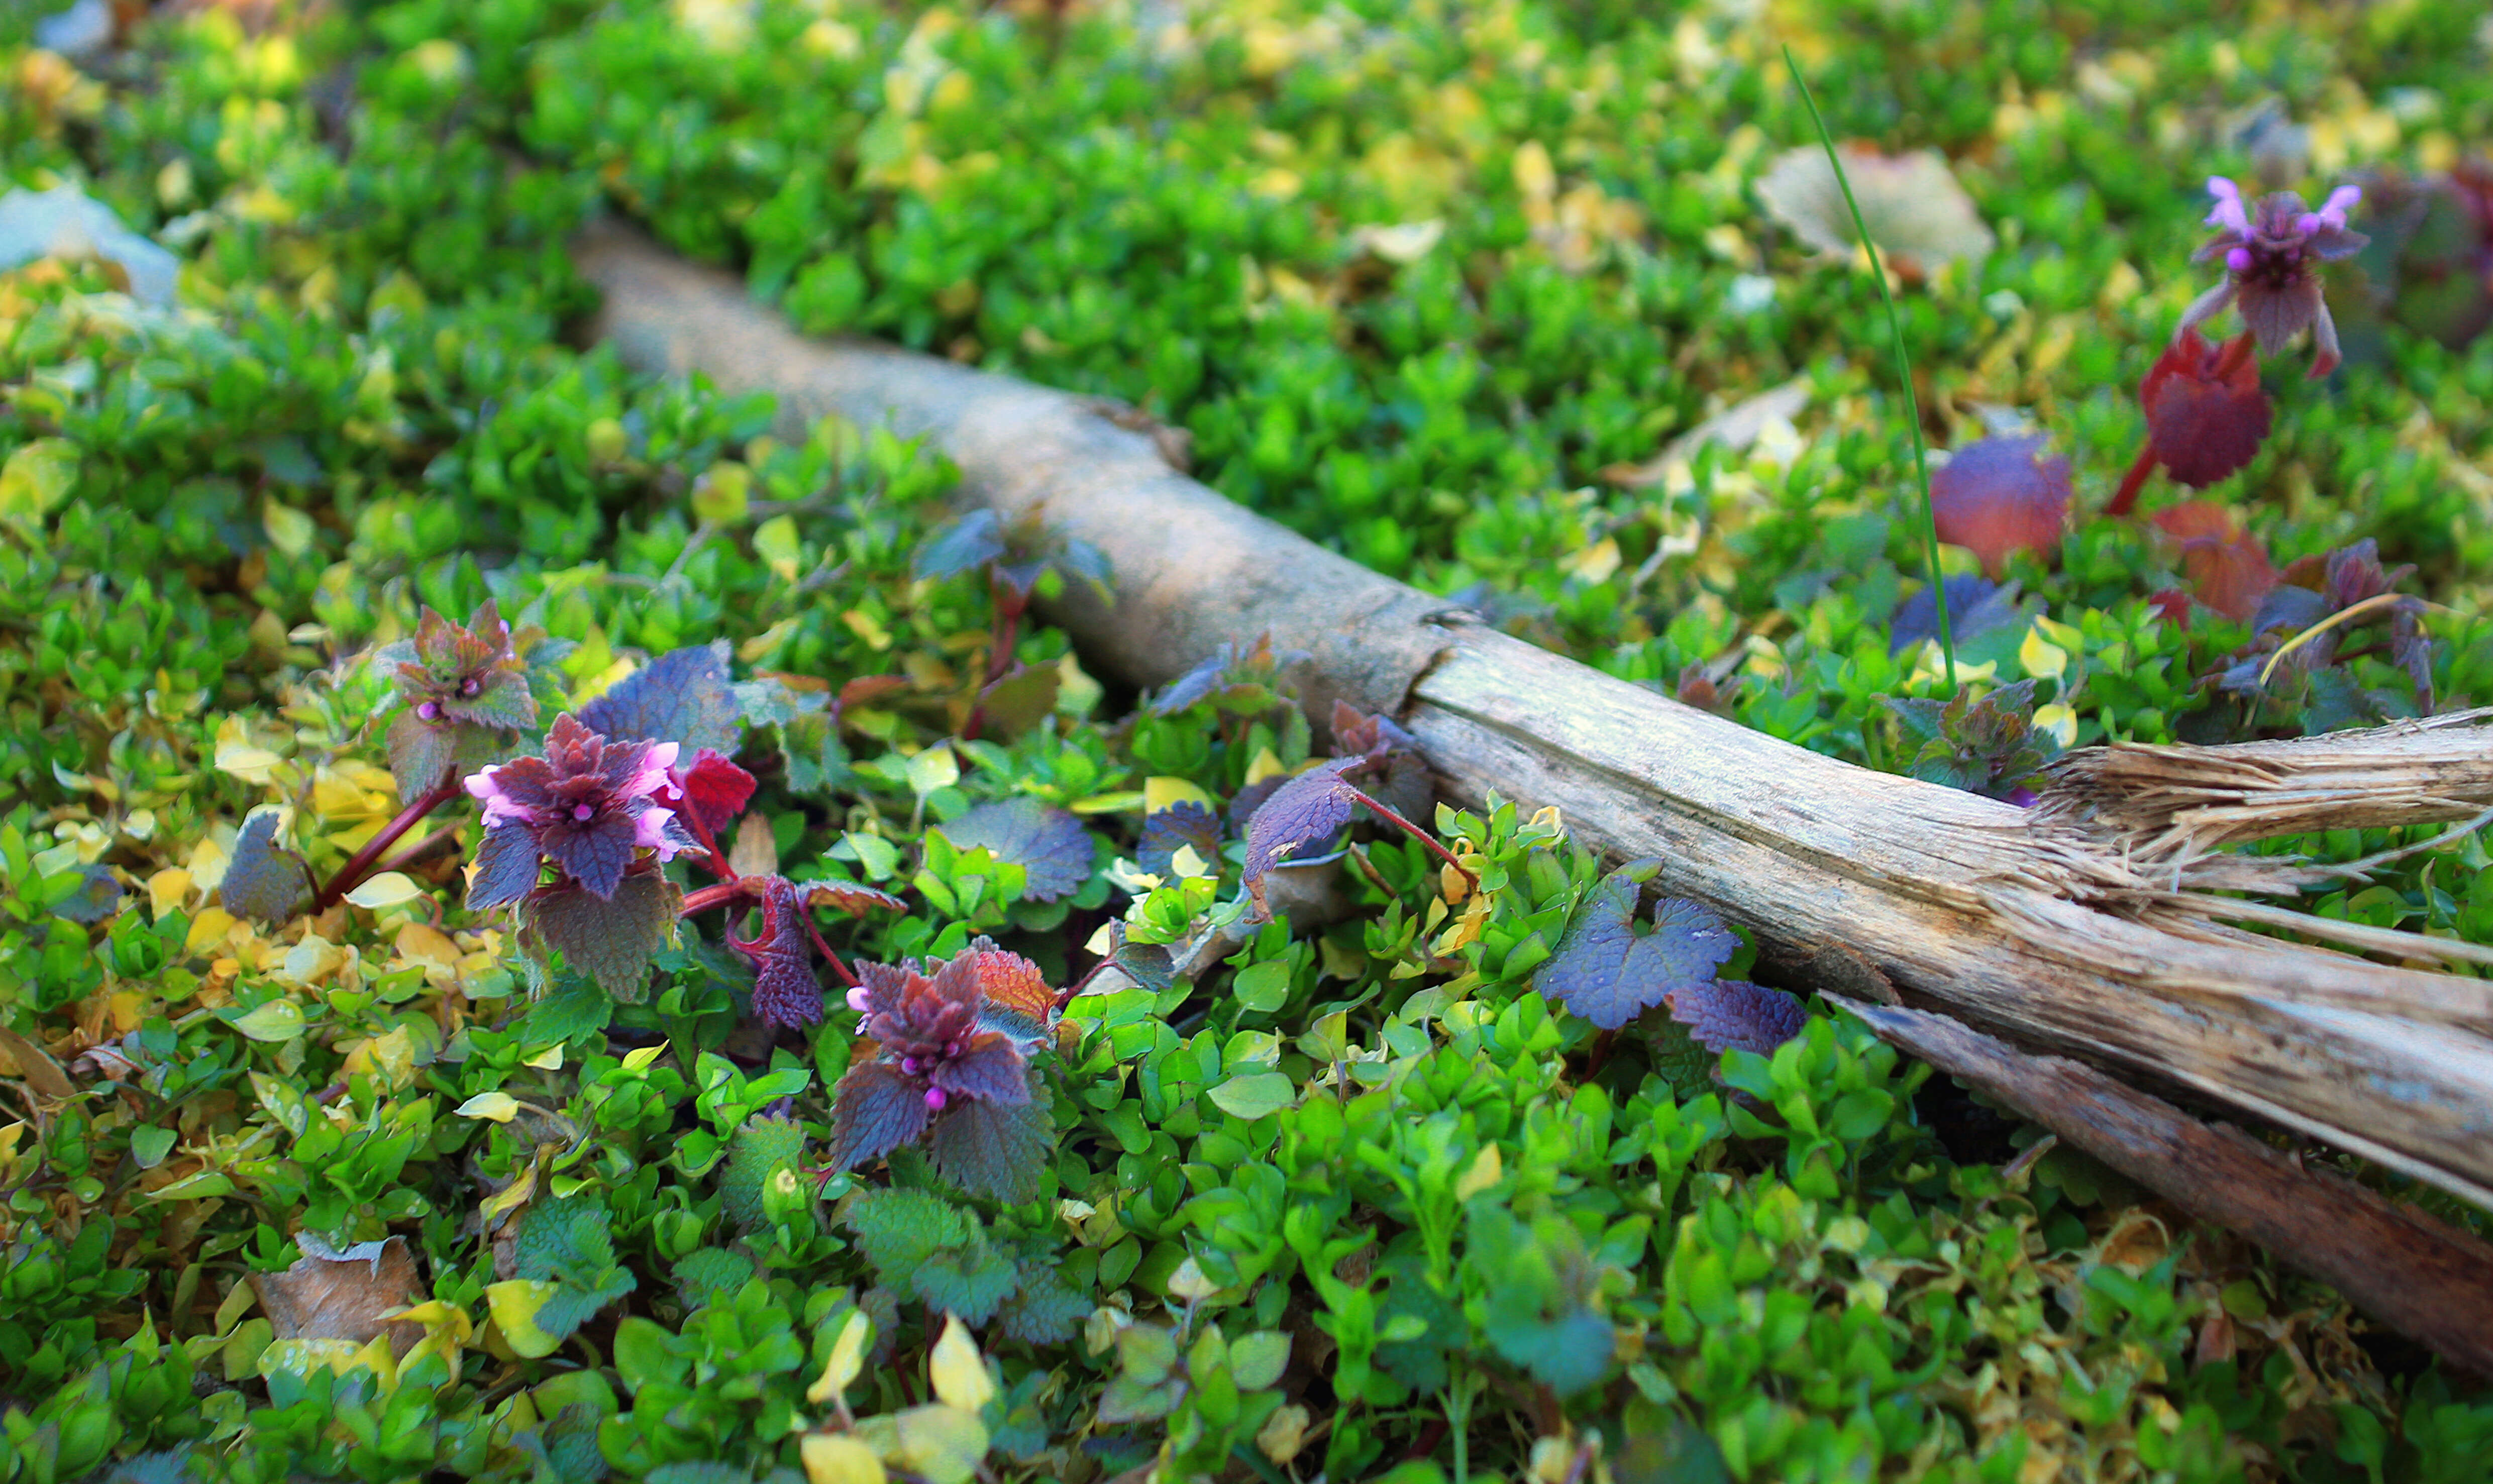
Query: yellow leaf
548	1060
1188	1281
1596	563
500	1106
2061	720
775	542
2043	659
1488	1168
427	944
389	1058
387	889
1185	862
515	1303
512	1197
168	889
833	1458
207	930
289	530
1263	765
237	755
847	1358
642	1056
1160	794
959	1372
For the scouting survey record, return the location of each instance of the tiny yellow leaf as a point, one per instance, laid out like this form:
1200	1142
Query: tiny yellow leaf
1188	1281
2043	659
640	1056
833	1458
945	1443
2061	720
959	1372
500	1106
548	1060
847	1358
1185	862
1488	1167
1266	763
168	889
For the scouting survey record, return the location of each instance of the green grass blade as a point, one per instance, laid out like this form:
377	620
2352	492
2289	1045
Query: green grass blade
1904	372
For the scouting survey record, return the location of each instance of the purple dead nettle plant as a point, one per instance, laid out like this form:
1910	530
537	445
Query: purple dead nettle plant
951	1069
2272	252
587	806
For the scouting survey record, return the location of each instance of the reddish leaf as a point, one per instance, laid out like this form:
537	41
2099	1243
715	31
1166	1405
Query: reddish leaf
715	790
2173	604
1607	973
849	897
2227	567
877	1111
1020	698
1994	496
1355	731
1015	995
1306	809
2205	414
1734	1014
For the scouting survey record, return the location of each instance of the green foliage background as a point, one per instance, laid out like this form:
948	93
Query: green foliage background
1487	1241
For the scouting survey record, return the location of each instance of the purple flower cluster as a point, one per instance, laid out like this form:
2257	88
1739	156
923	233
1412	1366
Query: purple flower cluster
2271	252
588	806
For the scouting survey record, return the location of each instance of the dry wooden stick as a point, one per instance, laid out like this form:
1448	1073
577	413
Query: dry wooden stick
1951	894
2402	1266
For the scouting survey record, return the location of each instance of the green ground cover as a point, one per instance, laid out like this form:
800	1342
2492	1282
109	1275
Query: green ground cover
1432	283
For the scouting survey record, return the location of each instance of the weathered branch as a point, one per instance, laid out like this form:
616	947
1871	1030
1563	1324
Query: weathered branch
2406	1269
2036	936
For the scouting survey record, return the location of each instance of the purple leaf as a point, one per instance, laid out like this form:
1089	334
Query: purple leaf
683	697
264	880
1996	498
507	866
988	1068
1974	607
1306	809
1049	845
1184	823
1734	1014
609	939
1607	973
877	1111
786	994
959	545
2205	419
994	1149
593	853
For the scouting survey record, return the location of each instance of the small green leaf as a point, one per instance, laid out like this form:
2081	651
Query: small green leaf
149	1143
1255	1096
279	1019
1257	1360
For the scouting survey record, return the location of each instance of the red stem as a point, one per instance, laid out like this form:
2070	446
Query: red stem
717	858
1416	833
838	965
2237	352
2127	495
359	865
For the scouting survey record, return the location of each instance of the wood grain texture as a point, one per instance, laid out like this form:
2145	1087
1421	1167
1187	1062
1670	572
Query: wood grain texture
1957	898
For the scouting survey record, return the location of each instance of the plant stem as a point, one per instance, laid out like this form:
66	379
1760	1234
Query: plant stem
2134	480
359	865
1904	371
839	965
1414	832
716	859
